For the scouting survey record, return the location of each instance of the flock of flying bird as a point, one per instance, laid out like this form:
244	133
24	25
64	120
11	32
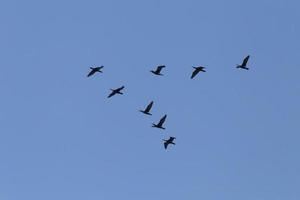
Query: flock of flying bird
157	72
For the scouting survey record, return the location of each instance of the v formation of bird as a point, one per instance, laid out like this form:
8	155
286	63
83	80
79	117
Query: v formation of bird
148	108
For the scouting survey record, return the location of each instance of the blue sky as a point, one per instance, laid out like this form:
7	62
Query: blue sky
237	131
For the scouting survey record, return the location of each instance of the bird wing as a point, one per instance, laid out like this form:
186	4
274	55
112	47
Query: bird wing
91	72
195	72
159	68
172	139
245	60
162	120
166	145
149	107
111	94
120	88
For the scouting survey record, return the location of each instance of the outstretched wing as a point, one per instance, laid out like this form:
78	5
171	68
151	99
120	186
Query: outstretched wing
120	88
159	68
172	139
195	72
166	145
245	61
93	71
111	94
149	107
162	120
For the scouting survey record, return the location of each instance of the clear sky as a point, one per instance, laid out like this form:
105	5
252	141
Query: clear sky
237	131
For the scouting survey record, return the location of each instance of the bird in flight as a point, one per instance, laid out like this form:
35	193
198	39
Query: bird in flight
147	109
116	91
244	64
160	123
158	70
94	70
197	70
169	141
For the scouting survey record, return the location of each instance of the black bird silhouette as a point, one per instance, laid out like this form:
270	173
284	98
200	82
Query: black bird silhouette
197	70
147	109
94	70
169	141
158	70
116	91
160	123
244	64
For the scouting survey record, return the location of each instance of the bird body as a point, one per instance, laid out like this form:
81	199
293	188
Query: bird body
116	91
147	109
197	70
94	70
169	141
158	70
160	123
244	64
